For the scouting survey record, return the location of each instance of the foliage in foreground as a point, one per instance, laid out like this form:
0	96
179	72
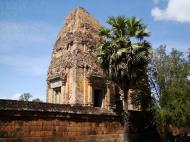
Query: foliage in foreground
172	112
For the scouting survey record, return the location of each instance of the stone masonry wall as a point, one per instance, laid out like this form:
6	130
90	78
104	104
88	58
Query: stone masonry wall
43	122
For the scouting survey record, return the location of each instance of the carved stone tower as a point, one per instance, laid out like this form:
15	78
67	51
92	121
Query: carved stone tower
73	75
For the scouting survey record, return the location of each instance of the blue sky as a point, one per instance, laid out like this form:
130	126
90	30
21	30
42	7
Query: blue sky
28	30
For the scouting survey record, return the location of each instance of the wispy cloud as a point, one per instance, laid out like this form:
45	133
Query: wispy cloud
155	1
11	97
176	10
14	34
25	46
29	65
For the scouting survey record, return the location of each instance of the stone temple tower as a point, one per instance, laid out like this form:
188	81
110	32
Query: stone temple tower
73	75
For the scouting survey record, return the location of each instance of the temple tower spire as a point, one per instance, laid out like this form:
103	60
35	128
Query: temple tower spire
73	75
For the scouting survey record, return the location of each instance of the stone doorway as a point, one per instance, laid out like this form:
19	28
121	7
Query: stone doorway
57	93
98	97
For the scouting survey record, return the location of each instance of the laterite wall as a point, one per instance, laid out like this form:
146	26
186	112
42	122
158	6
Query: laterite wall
41	122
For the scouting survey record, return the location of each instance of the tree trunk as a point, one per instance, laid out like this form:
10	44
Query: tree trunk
126	121
123	91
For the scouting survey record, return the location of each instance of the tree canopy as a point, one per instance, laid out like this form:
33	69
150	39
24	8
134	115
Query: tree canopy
25	97
123	54
37	100
173	70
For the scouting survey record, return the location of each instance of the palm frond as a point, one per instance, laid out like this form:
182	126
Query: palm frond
141	33
104	32
112	21
118	55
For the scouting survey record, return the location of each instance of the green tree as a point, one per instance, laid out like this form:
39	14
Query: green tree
123	54
172	111
36	100
25	97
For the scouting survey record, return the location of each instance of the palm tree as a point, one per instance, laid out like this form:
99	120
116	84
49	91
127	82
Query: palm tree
123	54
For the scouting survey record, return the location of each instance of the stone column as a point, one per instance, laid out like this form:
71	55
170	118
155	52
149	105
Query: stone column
53	96
65	93
90	94
70	101
62	94
73	86
67	86
84	86
108	95
47	94
103	98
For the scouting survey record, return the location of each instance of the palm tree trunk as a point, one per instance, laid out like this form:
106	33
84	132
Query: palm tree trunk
124	94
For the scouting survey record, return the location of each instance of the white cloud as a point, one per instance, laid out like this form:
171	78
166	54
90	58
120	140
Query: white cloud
12	97
15	96
176	10
29	65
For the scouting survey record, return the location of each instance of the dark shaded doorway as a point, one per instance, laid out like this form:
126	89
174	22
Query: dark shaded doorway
98	97
118	104
57	93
